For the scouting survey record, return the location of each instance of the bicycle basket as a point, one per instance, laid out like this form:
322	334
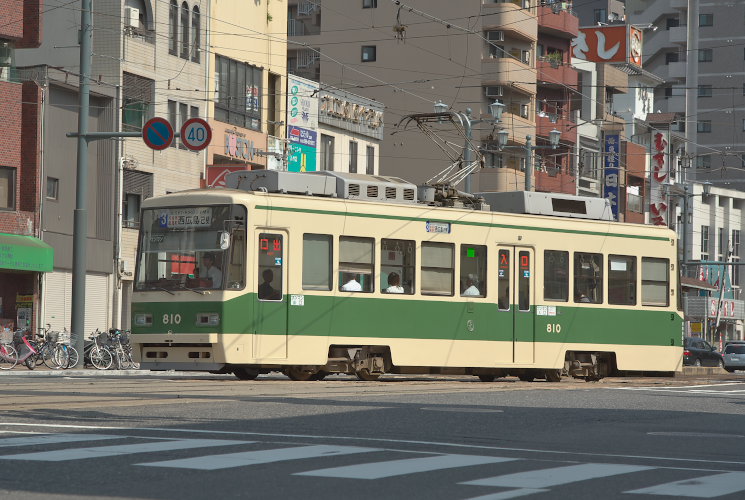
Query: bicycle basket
52	336
6	336
62	337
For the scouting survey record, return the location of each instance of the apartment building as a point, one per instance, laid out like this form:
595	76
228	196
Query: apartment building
465	54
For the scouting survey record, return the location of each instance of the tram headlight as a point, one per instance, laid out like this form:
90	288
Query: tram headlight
143	319
208	319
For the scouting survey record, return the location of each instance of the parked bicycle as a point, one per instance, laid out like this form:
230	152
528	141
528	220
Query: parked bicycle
97	354
8	353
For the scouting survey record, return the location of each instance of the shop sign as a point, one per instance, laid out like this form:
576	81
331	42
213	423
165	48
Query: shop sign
302	136
216	174
351	112
612	163
238	146
660	176
301	158
24	298
609	44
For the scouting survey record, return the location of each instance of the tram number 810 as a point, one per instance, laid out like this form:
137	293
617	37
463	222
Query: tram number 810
553	328
173	319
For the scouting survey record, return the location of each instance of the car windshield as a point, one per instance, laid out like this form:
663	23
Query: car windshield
735	349
192	248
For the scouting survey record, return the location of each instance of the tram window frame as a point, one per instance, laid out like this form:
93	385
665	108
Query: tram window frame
318	261
524	293
428	270
504	277
553	281
477	276
235	276
650	283
583	291
623	280
406	269
357	268
267	266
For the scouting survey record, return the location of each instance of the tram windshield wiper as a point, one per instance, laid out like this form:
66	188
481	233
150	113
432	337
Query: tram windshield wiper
161	288
200	292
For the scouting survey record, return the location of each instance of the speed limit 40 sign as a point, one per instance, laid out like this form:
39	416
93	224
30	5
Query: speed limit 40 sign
196	134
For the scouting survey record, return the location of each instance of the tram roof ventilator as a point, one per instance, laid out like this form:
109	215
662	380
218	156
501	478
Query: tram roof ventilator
553	204
329	184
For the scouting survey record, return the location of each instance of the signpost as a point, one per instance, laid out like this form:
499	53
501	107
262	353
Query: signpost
157	133
196	134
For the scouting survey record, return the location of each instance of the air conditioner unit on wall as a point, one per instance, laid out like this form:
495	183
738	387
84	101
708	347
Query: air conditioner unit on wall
495	36
494	91
132	17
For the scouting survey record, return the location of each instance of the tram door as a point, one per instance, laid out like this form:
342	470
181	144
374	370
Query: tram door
270	340
515	284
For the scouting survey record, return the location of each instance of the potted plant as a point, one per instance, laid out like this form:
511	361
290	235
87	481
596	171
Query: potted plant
555	59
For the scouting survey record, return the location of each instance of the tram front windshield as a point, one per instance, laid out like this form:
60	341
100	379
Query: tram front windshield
192	248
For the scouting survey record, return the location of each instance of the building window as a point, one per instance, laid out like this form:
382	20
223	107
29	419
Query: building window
706	19
705	55
238	93
195	35
704	242
369	4
173	28
7	188
703	161
671	57
704	90
703	126
185	31
735	257
138	186
352	157
369	53
370	170
52	188
327	153
600	16
137	98
671	22
721	244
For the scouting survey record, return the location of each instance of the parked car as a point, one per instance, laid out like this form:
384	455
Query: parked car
734	356
698	352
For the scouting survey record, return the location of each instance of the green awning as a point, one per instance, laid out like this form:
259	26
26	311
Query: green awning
25	253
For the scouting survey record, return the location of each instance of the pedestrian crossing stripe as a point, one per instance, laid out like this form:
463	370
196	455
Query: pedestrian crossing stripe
545	478
700	487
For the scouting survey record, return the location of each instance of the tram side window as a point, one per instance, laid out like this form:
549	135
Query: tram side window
473	271
438	269
317	259
503	281
397	260
356	264
556	275
588	277
271	265
622	280
237	260
655	281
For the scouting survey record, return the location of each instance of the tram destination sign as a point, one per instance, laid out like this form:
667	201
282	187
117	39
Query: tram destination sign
438	227
186	217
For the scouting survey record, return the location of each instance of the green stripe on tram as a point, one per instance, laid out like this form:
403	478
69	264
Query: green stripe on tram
382	318
458	222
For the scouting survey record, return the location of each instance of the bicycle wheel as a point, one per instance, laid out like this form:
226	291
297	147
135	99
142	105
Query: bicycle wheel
101	358
51	357
73	356
8	357
60	356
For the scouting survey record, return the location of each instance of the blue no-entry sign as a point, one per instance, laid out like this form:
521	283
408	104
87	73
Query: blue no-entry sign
196	134
157	133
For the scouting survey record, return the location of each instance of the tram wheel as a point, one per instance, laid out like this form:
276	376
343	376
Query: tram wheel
319	375
553	375
487	378
246	373
364	374
298	375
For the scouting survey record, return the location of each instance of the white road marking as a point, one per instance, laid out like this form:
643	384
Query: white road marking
125	449
392	468
215	462
700	487
506	495
53	439
161	430
545	478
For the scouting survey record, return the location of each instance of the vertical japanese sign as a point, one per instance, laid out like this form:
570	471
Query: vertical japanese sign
302	124
660	175
610	179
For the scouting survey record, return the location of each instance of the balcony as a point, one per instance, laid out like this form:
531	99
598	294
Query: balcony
561	74
561	24
517	126
679	34
506	70
510	18
677	69
546	122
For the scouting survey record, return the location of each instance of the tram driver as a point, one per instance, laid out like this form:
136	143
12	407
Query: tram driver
210	271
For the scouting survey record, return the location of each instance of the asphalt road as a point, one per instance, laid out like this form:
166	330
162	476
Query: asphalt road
193	437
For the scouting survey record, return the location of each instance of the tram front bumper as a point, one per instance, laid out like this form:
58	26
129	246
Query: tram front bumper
190	352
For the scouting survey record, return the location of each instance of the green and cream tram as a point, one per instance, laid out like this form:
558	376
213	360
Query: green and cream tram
310	274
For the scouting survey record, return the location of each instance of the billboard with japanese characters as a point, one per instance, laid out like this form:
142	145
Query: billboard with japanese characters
611	171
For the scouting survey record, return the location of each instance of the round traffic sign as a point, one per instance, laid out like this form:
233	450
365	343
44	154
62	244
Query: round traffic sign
157	133
196	134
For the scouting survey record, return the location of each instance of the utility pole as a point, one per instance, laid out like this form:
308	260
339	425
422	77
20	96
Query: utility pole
80	225
691	93
528	164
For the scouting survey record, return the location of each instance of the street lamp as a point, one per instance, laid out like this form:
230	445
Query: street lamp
495	109
553	138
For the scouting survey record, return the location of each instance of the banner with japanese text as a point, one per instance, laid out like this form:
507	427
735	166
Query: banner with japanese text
611	171
660	175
